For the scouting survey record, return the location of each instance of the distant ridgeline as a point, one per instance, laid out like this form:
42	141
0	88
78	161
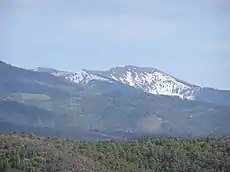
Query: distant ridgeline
30	153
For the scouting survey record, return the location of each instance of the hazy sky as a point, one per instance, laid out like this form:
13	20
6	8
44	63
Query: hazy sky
189	39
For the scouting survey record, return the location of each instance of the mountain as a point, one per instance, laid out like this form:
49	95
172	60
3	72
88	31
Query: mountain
152	81
149	80
79	76
215	96
49	104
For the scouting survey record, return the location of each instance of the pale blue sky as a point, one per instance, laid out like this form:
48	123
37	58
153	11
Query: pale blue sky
189	39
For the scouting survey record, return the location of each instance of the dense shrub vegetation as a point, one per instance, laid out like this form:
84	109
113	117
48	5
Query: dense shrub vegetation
32	153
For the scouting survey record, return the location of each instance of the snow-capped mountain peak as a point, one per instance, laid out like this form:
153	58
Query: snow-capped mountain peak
150	80
80	76
153	81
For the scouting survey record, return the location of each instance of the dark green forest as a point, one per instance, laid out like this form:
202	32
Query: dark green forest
27	152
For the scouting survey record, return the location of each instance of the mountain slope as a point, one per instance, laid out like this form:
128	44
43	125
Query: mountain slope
152	81
149	80
211	95
19	117
79	76
14	79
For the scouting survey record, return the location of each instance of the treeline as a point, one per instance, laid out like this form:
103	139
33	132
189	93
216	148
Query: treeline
31	153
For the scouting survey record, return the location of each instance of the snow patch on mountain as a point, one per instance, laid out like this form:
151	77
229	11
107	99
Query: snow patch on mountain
81	77
147	79
157	83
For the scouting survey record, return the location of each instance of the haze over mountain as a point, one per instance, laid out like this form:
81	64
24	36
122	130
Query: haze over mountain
103	106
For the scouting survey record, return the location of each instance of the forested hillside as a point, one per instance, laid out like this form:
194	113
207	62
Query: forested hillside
32	153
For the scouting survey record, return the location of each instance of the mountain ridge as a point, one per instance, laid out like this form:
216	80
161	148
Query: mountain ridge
150	80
